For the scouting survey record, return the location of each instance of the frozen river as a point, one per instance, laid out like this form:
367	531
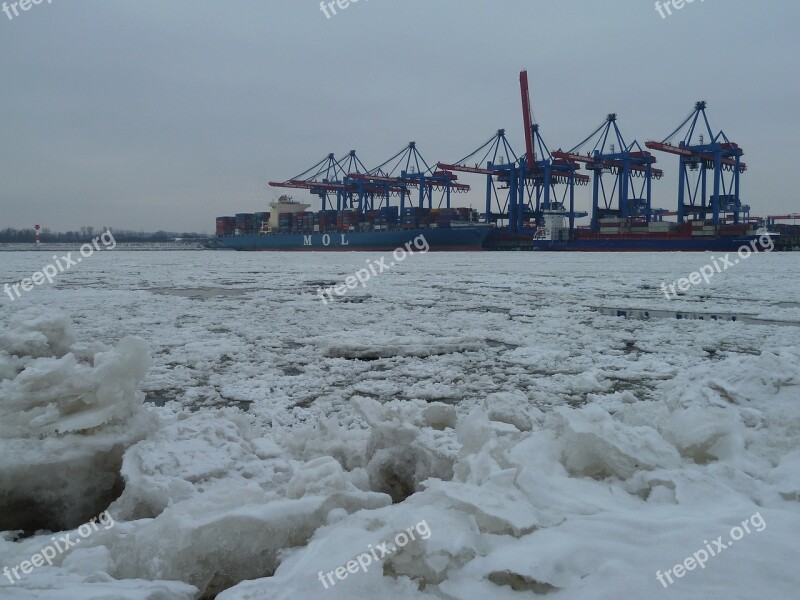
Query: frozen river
551	445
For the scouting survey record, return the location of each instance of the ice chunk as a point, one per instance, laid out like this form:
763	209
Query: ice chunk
225	536
370	346
705	434
65	423
197	452
34	332
598	446
403	452
786	476
512	408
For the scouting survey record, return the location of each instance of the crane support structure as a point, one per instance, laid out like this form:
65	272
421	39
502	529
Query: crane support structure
702	153
408	169
491	159
357	188
327	178
628	162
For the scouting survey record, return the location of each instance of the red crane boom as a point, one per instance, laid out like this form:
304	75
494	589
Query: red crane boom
526	117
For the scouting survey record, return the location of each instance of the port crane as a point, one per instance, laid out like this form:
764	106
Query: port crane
700	156
628	162
406	170
324	179
491	159
340	179
540	171
519	189
356	187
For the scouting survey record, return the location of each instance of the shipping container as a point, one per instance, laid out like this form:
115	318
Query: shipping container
226	226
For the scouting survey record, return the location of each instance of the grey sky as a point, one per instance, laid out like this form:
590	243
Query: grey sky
164	115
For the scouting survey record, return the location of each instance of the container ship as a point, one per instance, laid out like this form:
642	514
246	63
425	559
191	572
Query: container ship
290	227
617	235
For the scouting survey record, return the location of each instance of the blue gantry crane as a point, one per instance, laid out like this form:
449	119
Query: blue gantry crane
630	196
407	170
702	153
346	180
494	159
326	179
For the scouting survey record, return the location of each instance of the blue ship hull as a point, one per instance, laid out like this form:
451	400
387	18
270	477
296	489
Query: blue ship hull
451	239
643	244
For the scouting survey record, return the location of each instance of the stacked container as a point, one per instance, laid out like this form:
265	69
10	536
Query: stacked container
328	220
285	222
410	218
226	226
447	216
245	223
261	221
303	222
298	223
347	220
388	217
610	225
660	227
734	230
704	228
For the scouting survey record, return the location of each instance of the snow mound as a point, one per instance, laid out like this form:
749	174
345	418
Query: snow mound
226	536
596	445
36	333
196	453
67	414
738	381
581	503
407	445
327	437
743	412
512	408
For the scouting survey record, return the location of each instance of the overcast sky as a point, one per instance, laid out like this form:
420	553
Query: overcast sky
163	115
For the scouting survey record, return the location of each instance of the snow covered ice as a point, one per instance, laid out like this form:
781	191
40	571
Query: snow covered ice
67	415
247	439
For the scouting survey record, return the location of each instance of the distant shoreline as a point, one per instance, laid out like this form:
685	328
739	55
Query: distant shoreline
131	246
